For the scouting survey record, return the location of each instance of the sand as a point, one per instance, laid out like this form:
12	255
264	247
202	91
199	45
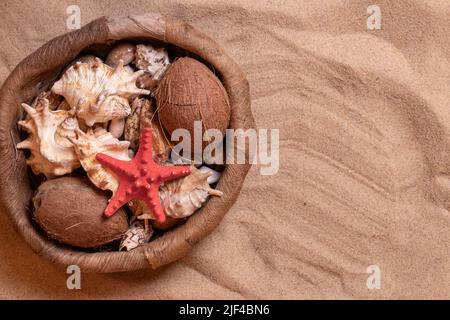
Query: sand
364	124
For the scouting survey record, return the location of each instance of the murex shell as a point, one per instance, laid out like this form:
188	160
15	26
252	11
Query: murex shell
182	197
98	92
52	153
98	140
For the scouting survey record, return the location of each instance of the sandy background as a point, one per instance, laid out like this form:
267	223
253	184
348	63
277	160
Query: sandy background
364	123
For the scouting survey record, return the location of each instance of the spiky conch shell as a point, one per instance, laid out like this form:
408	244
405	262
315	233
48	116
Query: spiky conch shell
52	153
182	197
98	92
53	99
94	141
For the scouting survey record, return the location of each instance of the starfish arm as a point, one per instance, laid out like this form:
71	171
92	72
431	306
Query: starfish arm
174	172
119	167
154	205
117	201
145	151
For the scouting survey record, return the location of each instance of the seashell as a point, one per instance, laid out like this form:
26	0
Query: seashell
129	69
70	210
131	132
214	177
138	234
154	61
98	92
124	52
64	105
181	198
87	145
147	82
52	153
190	92
149	119
66	131
144	116
116	127
87	58
53	99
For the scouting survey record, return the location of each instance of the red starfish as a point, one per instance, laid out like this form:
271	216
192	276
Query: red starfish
140	177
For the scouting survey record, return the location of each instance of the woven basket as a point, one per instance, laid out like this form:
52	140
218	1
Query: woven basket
39	70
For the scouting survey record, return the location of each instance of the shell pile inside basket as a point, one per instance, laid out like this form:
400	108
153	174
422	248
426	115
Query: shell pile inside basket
108	108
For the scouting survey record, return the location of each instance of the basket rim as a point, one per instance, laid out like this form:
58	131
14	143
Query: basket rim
174	244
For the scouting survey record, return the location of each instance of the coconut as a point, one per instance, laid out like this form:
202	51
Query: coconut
190	92
70	210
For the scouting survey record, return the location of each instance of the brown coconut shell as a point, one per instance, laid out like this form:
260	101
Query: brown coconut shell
70	210
38	71
190	92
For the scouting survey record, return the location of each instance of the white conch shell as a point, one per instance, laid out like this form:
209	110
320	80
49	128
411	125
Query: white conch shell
215	175
97	140
153	60
52	154
181	198
98	92
137	234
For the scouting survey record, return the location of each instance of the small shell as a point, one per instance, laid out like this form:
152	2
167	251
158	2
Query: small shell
87	58
132	124
98	92
144	116
52	154
116	127
124	52
214	177
153	60
130	70
87	145
137	234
